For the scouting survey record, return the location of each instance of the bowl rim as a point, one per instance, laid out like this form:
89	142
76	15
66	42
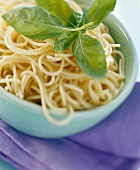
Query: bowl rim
121	97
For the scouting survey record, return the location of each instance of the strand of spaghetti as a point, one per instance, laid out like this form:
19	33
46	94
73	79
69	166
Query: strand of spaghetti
33	97
51	70
50	102
70	62
8	86
35	89
74	88
83	103
72	101
110	86
54	58
9	80
15	77
46	113
51	82
114	80
105	97
92	93
70	75
63	95
38	44
24	79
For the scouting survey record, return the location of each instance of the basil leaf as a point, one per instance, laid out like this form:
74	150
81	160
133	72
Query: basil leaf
64	41
60	9
98	11
90	56
79	19
35	23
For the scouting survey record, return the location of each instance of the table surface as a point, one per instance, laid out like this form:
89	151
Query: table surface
128	12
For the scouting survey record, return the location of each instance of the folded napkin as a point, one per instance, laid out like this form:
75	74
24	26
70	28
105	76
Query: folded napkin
113	144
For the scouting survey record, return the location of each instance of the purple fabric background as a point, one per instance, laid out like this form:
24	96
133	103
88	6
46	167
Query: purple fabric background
113	144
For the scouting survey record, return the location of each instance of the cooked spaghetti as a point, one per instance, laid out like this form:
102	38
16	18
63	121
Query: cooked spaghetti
31	70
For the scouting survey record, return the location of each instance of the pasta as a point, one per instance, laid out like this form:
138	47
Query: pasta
31	70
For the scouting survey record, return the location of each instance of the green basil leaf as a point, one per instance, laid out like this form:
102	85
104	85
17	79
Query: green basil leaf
61	9
34	22
64	41
90	56
98	11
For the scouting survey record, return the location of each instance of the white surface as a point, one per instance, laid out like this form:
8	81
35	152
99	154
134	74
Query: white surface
128	12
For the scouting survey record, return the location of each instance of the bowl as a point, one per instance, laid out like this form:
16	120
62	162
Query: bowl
28	117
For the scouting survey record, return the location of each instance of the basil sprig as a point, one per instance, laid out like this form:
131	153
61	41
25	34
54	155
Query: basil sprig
56	19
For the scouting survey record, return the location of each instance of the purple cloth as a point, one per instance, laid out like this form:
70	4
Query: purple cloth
113	144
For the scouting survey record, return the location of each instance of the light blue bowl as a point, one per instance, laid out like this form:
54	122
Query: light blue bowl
28	117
